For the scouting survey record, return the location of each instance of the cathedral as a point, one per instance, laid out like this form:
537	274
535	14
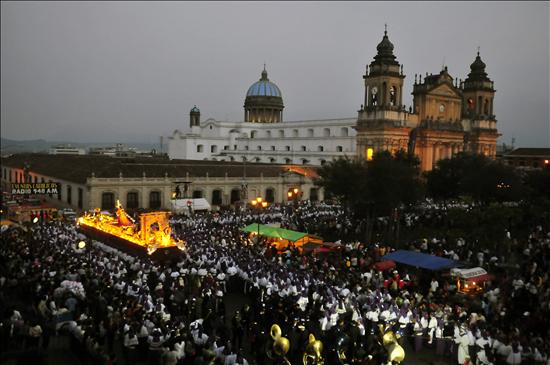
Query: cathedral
448	116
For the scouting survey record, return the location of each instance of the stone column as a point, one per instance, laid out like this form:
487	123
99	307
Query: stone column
428	156
435	151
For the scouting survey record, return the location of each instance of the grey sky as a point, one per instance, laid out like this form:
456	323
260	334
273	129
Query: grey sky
106	72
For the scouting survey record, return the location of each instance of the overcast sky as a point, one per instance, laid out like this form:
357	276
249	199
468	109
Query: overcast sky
108	72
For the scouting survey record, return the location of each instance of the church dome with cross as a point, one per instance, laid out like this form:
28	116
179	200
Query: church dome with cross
263	102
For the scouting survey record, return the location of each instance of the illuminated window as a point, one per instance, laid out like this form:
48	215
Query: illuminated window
370	153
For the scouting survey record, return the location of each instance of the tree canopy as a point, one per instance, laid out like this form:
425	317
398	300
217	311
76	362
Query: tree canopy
374	187
476	176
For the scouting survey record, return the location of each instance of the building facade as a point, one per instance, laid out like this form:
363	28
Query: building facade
89	182
448	116
264	137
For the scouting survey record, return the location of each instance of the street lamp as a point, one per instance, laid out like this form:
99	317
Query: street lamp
259	203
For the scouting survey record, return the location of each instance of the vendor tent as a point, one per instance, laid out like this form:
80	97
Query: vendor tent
476	274
422	260
284	236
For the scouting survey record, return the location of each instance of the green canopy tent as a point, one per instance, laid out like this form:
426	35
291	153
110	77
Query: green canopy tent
283	236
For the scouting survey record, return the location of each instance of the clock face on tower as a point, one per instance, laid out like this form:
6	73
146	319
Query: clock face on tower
374	90
441	108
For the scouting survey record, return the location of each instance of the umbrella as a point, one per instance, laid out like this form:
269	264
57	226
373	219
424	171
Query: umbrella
384	265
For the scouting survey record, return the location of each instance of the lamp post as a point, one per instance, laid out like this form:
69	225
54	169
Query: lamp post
259	203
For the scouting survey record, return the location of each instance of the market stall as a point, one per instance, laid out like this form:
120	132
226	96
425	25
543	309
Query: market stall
471	281
281	237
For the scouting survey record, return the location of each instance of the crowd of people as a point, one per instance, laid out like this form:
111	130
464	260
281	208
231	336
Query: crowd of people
122	309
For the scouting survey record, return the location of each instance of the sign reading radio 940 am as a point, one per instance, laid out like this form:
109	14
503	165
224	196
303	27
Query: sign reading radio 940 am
35	188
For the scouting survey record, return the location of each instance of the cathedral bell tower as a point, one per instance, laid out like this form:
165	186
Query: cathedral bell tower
384	82
383	123
477	110
478	92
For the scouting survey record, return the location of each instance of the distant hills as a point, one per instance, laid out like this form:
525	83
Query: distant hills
10	146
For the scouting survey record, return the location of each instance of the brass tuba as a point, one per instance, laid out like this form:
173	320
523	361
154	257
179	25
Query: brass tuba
281	344
312	355
396	353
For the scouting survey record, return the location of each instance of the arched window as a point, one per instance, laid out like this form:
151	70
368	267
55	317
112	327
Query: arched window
200	148
154	200
217	197
287	148
303	148
214	149
132	200
235	195
486	107
374	96
295	133
259	148
281	133
107	201
253	134
270	195
225	148
80	198
272	160
320	148
273	148
268	134
344	132
471	105
322	162
479	104
326	132
69	194
231	158
197	194
384	96
339	149
257	159
310	132
288	161
305	161
393	96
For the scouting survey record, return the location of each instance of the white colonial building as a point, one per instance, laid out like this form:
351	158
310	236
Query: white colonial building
263	136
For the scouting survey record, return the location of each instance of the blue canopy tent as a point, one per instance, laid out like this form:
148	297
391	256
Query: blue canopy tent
422	260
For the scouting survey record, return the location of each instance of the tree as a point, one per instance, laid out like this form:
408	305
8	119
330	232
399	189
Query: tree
477	176
373	188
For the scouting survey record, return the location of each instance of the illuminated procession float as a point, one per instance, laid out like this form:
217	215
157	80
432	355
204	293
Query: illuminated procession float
149	235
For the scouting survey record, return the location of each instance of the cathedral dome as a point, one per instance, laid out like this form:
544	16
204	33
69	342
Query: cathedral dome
385	55
477	75
385	47
263	102
264	87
